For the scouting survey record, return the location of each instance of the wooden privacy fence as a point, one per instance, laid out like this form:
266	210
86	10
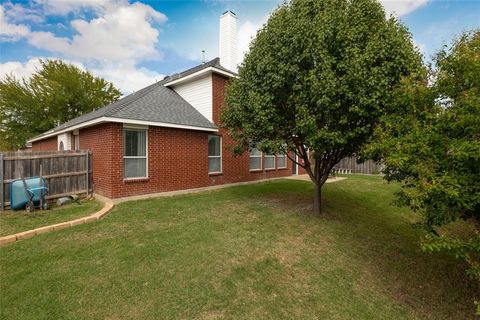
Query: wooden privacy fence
65	172
350	165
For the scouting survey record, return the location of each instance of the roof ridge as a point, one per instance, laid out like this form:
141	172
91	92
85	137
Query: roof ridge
174	76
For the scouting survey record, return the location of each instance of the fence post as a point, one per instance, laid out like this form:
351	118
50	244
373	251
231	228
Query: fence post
2	186
88	173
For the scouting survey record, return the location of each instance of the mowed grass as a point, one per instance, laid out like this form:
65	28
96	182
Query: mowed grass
248	252
12	222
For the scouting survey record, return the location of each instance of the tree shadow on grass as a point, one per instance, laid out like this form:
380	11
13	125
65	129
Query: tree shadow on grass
382	237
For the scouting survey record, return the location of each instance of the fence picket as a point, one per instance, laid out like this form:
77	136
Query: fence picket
350	165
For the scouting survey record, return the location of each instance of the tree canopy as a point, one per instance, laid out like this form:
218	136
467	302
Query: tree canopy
318	76
433	148
56	93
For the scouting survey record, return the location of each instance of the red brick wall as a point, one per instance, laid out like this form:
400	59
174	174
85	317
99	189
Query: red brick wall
49	144
236	168
177	159
103	141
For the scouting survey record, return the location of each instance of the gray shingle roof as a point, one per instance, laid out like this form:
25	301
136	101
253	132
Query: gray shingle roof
155	103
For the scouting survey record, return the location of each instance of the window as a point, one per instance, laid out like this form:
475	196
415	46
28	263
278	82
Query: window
269	161
214	154
135	153
255	159
281	161
61	147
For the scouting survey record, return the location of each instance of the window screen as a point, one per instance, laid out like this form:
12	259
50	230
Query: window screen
135	153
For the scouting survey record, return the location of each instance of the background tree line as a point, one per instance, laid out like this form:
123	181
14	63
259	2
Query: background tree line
56	93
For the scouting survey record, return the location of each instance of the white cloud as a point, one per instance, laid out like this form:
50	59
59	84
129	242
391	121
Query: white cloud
121	32
247	31
48	41
26	69
111	44
10	31
137	78
64	7
18	13
402	7
19	69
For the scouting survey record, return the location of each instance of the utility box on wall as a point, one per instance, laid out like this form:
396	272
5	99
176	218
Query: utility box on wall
64	141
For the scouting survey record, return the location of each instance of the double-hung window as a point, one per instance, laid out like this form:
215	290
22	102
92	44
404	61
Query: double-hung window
269	161
255	159
135	153
281	161
214	154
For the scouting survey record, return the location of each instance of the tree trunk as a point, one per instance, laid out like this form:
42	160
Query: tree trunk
317	199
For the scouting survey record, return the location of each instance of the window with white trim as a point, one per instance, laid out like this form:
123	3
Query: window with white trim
269	161
255	159
281	161
134	153
214	154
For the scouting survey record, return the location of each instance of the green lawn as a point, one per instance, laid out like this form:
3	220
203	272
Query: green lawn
248	252
17	221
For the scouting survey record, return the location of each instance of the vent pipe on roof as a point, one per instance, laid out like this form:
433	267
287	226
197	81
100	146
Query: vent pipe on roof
228	41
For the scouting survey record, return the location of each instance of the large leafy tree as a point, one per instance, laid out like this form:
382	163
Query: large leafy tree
317	78
55	93
433	148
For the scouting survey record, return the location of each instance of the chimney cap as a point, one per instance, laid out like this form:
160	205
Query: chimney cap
229	11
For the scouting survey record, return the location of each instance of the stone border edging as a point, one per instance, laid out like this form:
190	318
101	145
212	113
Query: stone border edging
62	225
303	177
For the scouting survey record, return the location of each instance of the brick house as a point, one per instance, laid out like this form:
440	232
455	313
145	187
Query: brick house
167	136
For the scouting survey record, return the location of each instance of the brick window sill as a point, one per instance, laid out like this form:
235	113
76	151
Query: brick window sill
213	174
133	180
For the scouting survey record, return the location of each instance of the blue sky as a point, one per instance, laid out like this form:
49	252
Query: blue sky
135	43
